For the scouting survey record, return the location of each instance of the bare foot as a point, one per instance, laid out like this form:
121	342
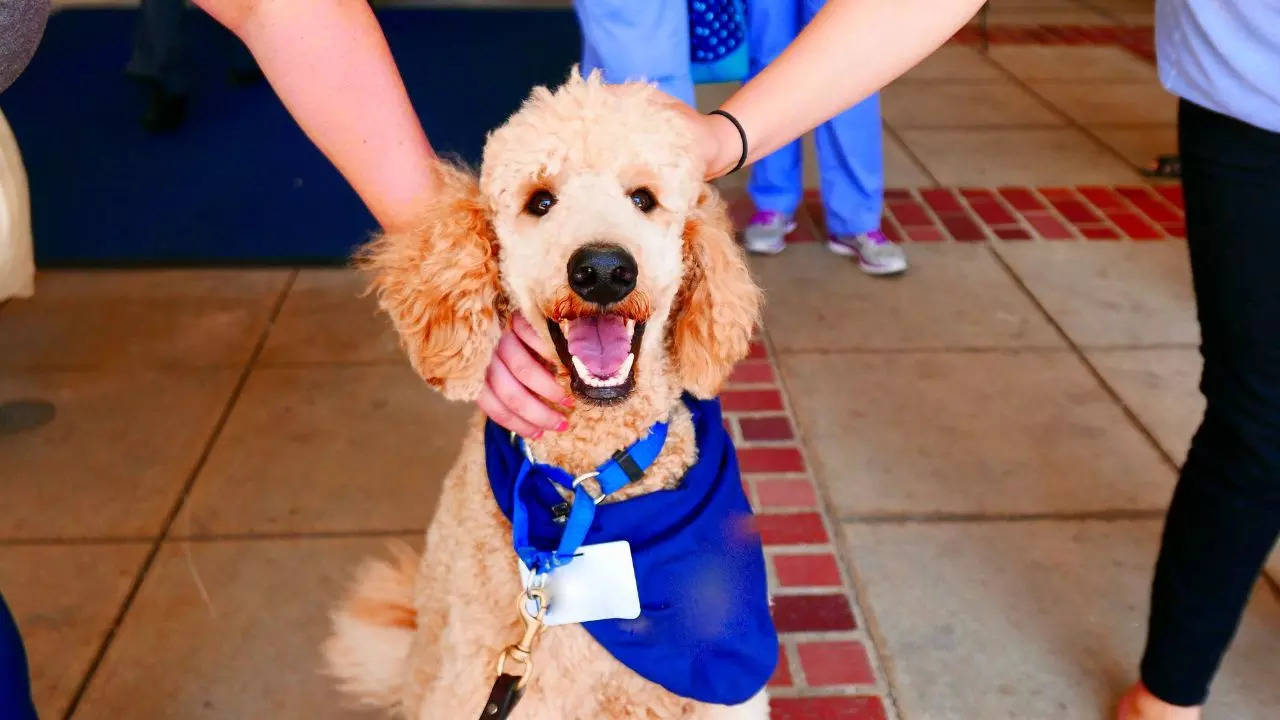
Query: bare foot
1140	704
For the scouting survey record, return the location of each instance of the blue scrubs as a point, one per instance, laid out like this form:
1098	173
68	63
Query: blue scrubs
638	40
850	152
15	688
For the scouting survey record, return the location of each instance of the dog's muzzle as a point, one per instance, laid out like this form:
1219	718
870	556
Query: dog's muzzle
602	274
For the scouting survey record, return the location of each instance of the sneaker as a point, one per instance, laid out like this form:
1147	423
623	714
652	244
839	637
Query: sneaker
876	254
766	233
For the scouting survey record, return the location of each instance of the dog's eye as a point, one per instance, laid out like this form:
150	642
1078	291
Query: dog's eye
539	203
643	199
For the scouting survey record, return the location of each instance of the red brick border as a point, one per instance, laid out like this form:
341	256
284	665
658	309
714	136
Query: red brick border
828	667
1010	214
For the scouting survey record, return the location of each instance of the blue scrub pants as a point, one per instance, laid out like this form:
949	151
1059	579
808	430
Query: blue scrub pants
850	152
638	40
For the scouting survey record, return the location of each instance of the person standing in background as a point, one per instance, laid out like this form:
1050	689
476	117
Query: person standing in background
627	40
850	161
1221	57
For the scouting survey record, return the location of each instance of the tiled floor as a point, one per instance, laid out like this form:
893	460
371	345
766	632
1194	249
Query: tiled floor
959	472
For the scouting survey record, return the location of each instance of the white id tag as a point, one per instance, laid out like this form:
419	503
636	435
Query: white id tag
600	584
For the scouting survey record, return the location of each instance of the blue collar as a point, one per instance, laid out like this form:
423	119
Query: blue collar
624	468
704	630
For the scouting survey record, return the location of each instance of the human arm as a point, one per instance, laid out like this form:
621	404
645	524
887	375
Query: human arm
329	63
848	51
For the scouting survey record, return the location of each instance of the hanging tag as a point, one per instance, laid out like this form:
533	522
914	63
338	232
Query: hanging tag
503	698
600	584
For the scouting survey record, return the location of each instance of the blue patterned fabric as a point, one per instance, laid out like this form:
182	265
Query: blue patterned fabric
704	630
717	40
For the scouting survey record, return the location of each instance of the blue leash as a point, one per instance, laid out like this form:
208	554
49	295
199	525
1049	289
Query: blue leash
624	468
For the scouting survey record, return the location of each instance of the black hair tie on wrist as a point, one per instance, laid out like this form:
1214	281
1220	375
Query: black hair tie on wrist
742	159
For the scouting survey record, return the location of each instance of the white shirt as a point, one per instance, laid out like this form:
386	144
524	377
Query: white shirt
1223	55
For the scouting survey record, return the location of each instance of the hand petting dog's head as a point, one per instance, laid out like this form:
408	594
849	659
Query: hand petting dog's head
591	219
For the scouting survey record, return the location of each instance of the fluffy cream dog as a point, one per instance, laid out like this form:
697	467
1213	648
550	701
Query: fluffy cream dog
591	219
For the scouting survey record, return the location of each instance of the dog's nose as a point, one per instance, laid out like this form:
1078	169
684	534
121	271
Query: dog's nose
602	274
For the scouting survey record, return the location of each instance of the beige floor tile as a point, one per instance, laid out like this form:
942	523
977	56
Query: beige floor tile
1132	6
732	184
1139	18
252	651
1101	103
1005	156
325	319
988	432
115	456
139	318
953	296
710	96
1108	294
1050	616
1080	63
1161	387
65	599
327	448
1049	15
900	170
955	62
812	171
1139	145
907	105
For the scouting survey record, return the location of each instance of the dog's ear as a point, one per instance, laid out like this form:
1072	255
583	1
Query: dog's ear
718	306
439	283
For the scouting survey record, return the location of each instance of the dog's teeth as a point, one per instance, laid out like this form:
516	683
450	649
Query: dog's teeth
616	379
631	326
564	327
582	370
584	374
621	376
624	371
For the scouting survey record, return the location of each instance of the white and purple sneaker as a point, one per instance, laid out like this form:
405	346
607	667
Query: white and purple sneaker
766	232
875	253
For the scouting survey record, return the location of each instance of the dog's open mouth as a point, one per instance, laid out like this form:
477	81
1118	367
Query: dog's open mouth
599	352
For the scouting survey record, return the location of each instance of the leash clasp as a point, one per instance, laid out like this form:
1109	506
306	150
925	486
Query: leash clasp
521	653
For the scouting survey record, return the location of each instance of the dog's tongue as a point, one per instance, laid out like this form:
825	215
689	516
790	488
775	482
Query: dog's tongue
602	343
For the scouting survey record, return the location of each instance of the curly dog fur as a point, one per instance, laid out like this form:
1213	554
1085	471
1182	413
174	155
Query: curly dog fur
419	636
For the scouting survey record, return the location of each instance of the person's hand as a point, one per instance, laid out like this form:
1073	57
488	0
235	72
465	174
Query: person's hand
515	381
715	138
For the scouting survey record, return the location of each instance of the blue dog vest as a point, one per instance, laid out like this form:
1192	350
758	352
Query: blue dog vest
704	630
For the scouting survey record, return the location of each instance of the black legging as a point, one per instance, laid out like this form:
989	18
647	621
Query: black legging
1225	514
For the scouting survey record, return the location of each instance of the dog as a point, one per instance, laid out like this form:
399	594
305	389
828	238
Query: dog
590	218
